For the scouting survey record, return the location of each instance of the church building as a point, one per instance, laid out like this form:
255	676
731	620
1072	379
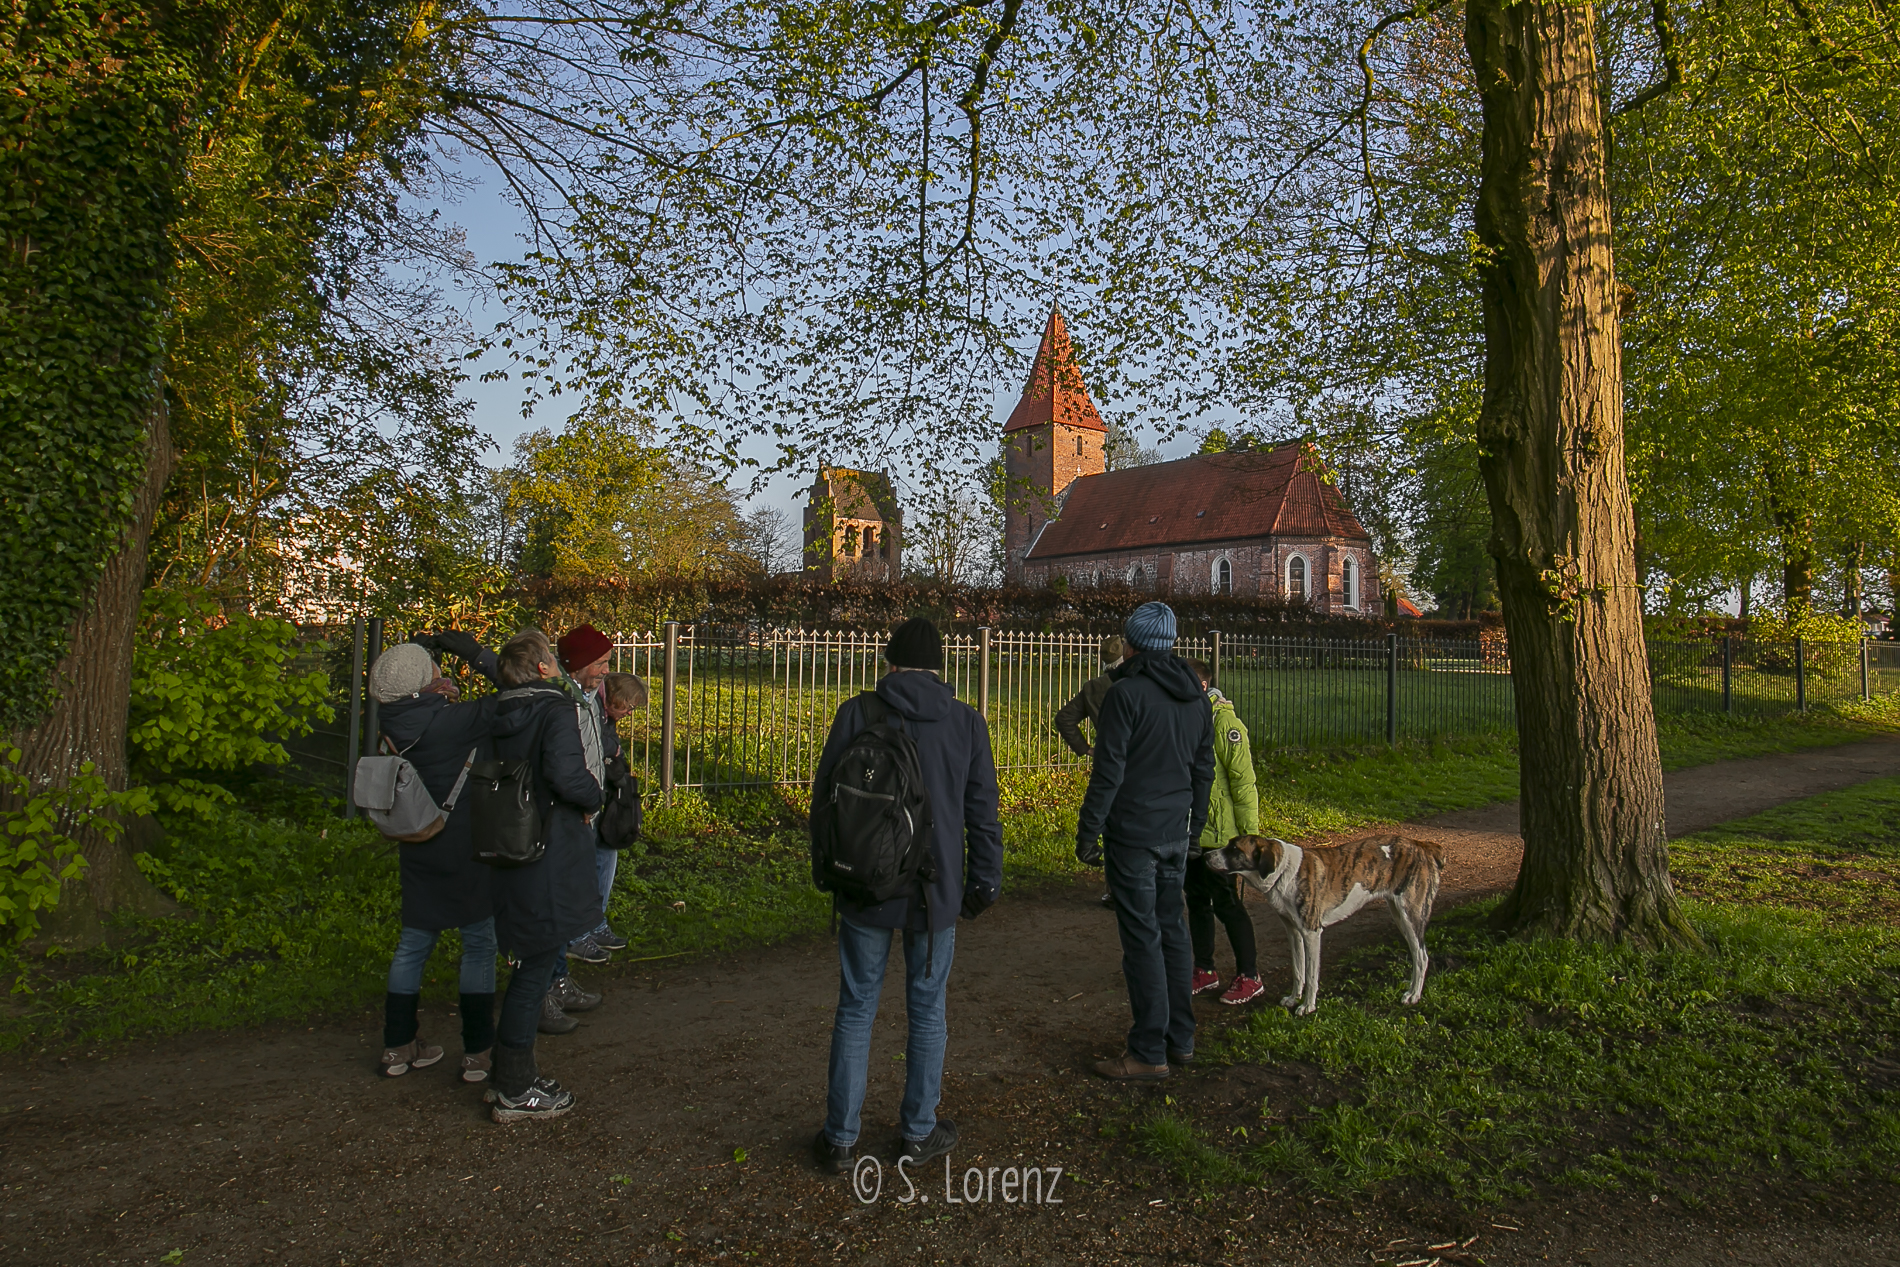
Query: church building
1259	523
854	526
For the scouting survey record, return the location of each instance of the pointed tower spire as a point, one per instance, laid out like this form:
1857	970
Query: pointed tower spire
1055	392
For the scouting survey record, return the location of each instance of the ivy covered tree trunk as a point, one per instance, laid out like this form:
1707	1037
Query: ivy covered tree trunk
1550	437
88	721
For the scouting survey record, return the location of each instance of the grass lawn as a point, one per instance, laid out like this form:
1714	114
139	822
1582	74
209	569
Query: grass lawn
1769	1054
296	910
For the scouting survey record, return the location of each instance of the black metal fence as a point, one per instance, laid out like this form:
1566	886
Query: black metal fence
748	707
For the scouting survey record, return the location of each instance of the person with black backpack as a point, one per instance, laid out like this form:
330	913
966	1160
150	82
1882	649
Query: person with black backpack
904	836
531	804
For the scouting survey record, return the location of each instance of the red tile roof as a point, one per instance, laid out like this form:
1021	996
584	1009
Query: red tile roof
1206	498
1054	392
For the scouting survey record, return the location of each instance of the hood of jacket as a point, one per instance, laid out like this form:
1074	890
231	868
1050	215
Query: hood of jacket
917	696
517	706
1169	671
404	720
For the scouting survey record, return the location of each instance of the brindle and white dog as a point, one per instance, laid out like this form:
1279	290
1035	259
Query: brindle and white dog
1320	885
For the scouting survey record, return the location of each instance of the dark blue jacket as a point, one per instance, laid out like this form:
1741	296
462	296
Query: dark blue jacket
1154	756
442	885
555	899
953	747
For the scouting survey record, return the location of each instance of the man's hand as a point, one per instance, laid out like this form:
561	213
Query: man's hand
457	643
977	898
1088	852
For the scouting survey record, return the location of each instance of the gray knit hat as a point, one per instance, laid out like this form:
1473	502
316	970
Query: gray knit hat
1150	627
400	672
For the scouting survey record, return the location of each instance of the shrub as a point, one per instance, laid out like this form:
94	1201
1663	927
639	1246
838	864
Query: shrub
1830	645
39	852
212	692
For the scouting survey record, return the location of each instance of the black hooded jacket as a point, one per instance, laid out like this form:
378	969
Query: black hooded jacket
953	748
555	899
1154	756
442	885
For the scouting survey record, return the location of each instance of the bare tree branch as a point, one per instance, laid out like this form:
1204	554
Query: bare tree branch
1424	8
1665	28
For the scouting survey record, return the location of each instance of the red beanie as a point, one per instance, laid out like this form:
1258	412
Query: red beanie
581	646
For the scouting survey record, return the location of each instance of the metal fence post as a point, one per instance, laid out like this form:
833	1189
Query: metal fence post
983	673
1800	677
372	708
356	718
1728	674
1213	658
1392	688
669	693
1866	678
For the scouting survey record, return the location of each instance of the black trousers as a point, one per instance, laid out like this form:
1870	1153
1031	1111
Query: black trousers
1156	957
1210	896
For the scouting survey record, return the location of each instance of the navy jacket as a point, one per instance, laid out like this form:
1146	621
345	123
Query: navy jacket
442	885
953	747
556	899
1154	756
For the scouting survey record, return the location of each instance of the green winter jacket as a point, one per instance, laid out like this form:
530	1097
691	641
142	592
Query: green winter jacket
1233	808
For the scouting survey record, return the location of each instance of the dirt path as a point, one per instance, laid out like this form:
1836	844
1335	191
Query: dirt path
285	1148
1702	796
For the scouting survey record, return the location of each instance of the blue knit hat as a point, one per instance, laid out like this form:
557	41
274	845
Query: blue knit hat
1150	627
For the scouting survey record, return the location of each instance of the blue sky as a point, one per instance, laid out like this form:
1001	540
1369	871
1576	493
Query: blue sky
496	231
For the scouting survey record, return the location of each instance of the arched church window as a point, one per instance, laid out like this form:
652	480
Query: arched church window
1223	576
1296	577
1349	582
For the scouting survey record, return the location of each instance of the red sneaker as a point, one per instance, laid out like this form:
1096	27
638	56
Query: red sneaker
1243	990
1205	980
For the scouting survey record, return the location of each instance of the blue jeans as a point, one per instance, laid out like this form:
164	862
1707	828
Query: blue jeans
606	863
416	944
863	954
1157	956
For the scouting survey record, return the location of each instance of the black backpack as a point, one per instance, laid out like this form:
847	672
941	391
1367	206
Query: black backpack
619	820
504	823
504	819
873	831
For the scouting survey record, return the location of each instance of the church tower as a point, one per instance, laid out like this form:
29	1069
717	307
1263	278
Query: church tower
1053	437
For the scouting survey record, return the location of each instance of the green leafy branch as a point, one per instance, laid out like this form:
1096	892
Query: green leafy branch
39	851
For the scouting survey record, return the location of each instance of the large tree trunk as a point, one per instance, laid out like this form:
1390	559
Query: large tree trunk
1794	529
1853	595
1550	438
88	722
1797	575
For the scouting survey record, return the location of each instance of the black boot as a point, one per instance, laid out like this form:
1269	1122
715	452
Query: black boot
399	1019
478	1022
514	1069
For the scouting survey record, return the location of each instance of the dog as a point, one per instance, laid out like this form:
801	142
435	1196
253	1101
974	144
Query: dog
1313	887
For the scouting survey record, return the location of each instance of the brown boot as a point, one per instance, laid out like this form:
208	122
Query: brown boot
1125	1068
414	1054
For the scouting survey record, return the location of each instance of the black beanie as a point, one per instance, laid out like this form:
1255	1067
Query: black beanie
915	644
